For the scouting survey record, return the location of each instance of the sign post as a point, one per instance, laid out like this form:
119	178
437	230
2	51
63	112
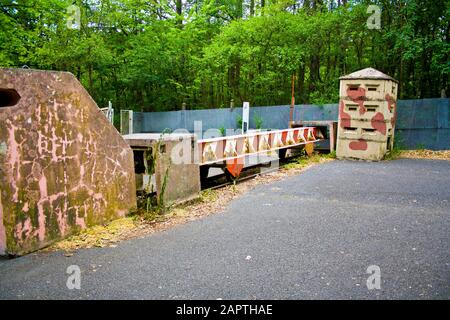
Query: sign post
245	116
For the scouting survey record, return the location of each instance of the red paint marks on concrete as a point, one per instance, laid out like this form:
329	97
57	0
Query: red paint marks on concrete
378	123
358	96
14	159
79	219
394	119
361	144
362	109
392	108
391	101
41	214
43	187
23	230
343	116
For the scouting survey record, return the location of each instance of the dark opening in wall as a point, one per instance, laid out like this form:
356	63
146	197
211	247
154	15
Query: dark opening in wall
139	158
371	108
8	97
352	107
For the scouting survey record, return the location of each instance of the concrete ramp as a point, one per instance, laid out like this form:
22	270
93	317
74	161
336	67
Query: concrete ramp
63	166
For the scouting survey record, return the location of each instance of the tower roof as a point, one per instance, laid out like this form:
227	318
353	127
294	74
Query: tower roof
368	73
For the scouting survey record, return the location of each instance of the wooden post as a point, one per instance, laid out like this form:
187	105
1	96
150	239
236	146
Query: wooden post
291	111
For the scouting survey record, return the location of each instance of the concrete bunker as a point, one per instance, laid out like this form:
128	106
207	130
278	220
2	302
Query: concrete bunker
63	166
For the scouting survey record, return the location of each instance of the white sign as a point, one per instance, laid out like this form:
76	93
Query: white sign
245	116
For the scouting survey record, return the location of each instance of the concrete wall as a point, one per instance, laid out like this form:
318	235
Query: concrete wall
63	166
175	162
420	123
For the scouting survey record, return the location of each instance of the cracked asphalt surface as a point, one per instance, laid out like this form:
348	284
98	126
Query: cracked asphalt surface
310	236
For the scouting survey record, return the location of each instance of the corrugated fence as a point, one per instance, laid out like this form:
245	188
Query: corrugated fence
420	123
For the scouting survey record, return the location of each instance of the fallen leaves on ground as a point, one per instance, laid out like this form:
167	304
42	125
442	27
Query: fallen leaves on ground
97	236
425	154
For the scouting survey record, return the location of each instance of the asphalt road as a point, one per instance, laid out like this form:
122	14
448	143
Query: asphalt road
311	236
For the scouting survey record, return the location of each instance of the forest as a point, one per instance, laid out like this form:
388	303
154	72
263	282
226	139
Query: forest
156	55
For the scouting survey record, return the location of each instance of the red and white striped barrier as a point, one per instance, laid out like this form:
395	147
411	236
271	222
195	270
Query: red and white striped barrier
233	149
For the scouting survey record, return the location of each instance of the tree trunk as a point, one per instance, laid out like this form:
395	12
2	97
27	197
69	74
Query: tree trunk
179	9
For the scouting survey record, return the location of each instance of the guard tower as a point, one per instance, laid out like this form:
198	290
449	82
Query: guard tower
367	115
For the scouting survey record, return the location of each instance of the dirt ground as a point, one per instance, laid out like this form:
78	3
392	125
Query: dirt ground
426	154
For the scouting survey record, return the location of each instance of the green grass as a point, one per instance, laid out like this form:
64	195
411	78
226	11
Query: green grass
393	154
304	161
208	195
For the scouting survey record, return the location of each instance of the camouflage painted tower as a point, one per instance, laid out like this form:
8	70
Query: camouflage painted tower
367	114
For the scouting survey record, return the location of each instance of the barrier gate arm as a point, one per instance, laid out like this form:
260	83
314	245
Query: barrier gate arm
233	149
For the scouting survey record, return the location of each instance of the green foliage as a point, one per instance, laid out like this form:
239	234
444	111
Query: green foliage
331	155
163	190
258	122
238	122
208	195
392	154
303	160
153	56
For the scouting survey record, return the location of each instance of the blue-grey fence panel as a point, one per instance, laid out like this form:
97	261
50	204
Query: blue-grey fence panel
316	112
423	124
420	123
276	117
212	118
149	122
417	114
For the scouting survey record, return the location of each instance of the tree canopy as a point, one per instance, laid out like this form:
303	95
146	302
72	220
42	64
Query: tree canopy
156	55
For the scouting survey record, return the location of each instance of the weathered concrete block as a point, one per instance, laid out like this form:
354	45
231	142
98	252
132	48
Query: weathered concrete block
63	166
175	164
